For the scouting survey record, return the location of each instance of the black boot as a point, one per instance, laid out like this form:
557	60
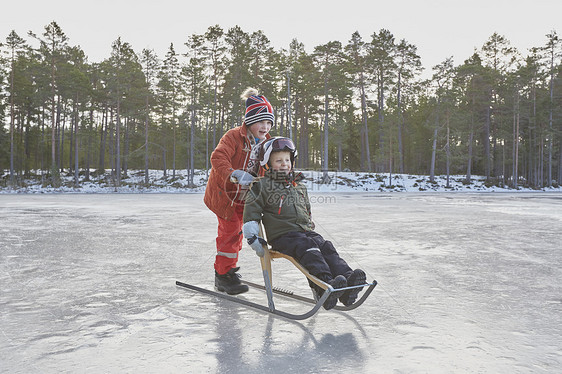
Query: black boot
230	282
356	278
332	300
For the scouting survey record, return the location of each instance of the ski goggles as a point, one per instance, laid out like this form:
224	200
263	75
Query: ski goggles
283	144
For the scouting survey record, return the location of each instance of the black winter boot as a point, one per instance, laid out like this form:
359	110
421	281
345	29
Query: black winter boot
230	282
356	278
331	301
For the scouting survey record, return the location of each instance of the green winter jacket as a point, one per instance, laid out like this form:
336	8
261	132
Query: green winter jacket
281	202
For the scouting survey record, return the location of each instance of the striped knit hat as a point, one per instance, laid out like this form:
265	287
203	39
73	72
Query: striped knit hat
258	107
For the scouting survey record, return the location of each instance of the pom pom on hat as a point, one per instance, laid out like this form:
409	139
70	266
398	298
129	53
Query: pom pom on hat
258	107
249	92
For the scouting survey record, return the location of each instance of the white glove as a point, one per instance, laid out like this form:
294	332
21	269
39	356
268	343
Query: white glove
251	232
241	177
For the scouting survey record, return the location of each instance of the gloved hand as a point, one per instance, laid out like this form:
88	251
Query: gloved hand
257	244
241	177
251	232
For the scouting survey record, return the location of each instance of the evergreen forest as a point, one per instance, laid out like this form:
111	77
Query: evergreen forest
361	105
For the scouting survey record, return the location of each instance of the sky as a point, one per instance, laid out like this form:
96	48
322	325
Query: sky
439	28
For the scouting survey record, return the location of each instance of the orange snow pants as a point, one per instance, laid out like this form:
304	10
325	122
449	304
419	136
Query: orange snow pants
229	240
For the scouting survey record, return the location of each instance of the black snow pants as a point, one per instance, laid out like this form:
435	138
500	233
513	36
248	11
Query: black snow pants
317	255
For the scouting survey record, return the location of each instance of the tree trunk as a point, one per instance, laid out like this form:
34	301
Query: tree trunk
127	147
173	139
541	161
146	179
400	124
365	144
102	142
207	143
76	147
550	137
516	174
434	149
515	155
340	156
448	148
89	154
550	109
59	137
53	116
42	144
71	143
289	114
27	146
12	124
470	140
469	166
390	160
215	113
560	162
111	146
173	149
487	143
192	147
118	142
163	137
381	118
101	165
326	131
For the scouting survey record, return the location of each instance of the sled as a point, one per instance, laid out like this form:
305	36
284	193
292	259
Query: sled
266	260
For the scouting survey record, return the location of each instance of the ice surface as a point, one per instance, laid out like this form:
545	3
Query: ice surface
467	283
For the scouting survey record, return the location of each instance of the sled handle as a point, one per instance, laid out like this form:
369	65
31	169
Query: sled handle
266	258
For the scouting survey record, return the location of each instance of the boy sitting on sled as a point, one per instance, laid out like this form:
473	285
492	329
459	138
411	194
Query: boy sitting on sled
281	202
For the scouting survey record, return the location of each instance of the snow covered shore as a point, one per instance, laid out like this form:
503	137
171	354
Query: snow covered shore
336	182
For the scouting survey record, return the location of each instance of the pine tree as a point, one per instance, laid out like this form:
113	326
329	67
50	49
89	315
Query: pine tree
306	88
381	61
123	69
261	50
194	75
442	79
328	57
474	95
215	53
16	44
408	64
172	86
499	57
237	75
150	63
356	51
52	47
553	53
75	84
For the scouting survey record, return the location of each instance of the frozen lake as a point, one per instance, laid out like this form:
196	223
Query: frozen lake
468	283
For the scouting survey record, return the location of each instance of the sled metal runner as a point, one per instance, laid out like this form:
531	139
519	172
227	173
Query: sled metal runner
270	290
290	294
244	302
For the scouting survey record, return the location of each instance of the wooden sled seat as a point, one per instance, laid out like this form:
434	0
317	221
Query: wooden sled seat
270	254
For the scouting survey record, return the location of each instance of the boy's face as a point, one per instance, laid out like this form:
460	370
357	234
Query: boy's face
260	129
281	161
